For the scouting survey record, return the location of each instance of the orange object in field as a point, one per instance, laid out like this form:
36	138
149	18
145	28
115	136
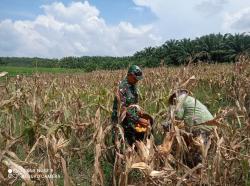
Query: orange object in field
141	128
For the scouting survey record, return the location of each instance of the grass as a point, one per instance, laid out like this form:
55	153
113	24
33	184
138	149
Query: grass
13	71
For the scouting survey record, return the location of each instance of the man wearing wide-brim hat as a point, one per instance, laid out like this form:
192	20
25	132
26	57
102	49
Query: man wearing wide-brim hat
196	117
2	74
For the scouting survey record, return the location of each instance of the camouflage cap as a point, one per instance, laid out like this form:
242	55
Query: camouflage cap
134	69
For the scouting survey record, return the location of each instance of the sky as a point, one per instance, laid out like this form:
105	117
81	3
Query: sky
56	29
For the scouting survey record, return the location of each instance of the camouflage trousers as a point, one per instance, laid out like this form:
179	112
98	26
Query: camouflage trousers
130	136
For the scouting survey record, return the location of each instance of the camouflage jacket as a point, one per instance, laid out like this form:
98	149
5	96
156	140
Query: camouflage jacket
126	95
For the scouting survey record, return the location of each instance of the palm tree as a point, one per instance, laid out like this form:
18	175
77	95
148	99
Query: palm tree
238	44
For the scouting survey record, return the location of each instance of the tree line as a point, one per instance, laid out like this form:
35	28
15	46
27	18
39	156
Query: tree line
212	48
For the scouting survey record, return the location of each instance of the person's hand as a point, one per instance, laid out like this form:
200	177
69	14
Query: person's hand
144	122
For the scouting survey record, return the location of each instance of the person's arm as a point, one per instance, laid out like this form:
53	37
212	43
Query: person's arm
133	115
123	97
179	113
122	93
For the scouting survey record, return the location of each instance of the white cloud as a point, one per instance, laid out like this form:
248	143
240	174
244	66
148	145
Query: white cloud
76	29
178	19
181	18
238	21
211	7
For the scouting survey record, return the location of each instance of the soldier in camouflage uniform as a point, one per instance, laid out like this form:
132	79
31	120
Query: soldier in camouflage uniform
127	95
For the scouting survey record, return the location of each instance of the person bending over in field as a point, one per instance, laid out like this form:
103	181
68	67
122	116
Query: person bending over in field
196	119
123	113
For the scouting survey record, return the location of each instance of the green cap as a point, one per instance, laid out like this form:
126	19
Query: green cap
134	69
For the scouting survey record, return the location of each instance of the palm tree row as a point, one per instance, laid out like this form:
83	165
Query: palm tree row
209	48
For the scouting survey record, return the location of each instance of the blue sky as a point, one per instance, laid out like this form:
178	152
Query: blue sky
113	11
48	28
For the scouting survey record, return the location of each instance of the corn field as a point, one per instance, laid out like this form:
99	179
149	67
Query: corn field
60	124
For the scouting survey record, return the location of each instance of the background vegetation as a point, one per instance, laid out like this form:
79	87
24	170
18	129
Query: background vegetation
213	48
